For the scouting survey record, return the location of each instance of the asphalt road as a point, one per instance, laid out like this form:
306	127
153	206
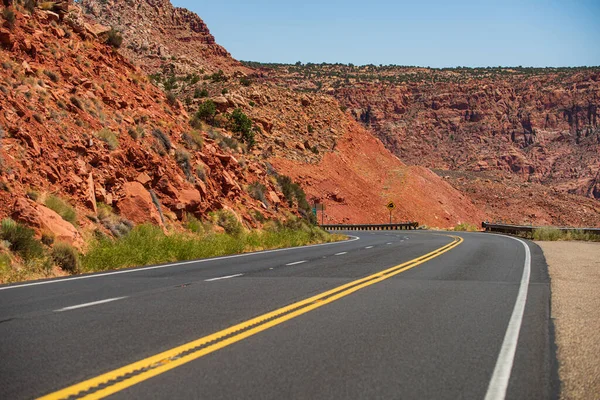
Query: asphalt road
456	324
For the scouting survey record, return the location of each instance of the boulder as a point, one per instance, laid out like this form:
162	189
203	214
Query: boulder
189	199
136	205
45	220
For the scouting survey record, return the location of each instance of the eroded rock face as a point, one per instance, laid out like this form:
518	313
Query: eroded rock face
155	29
137	206
53	128
45	220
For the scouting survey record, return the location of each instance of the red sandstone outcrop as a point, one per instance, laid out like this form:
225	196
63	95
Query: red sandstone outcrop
46	221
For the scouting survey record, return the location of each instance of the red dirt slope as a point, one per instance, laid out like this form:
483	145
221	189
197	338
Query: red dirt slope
356	181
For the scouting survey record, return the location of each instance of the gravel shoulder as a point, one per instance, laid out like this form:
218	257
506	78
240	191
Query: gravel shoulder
574	269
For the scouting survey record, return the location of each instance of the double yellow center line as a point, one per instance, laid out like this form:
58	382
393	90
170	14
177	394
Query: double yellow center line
129	375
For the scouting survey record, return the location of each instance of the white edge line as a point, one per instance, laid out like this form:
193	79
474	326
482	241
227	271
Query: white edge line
501	376
222	277
139	269
93	303
296	263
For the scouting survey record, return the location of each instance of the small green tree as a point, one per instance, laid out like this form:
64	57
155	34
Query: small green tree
114	38
207	111
242	124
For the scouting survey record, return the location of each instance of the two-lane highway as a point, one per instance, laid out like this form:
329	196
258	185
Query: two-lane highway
385	314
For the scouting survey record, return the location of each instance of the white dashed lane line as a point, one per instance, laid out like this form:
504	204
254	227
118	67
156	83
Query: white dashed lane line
341	254
369	247
297	262
93	303
222	277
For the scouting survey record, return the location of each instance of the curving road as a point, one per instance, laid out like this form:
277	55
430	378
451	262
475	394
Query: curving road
423	315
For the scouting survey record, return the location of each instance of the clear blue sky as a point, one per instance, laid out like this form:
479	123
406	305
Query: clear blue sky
436	33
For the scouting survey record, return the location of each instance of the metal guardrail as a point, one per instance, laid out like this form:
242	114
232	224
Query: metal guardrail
528	229
372	227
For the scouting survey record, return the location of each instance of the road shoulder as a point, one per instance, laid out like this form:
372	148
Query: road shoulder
574	269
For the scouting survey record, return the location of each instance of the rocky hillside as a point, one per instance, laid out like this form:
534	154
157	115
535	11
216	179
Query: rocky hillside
536	127
87	138
166	38
292	131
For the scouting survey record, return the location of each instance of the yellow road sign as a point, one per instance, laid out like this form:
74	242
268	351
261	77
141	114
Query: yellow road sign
391	205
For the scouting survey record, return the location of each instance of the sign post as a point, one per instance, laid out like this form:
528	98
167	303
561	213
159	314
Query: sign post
320	207
390	206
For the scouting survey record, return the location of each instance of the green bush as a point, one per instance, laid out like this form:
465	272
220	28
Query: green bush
171	98
226	220
200	93
114	38
66	257
162	139
201	172
207	111
245	81
193	140
22	239
30	5
52	75
465	227
218	76
62	208
9	17
183	159
294	193
257	191
240	123
108	137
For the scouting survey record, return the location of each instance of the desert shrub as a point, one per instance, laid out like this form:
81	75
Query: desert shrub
207	111
66	257
21	238
466	227
183	159
117	226
193	140
33	195
201	172
132	133
162	139
293	192
114	38
76	102
200	93
218	76
171	98
257	190
156	202
194	225
52	75
240	123
30	5
245	81
9	17
310	128
228	221
62	208
47	239
108	137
